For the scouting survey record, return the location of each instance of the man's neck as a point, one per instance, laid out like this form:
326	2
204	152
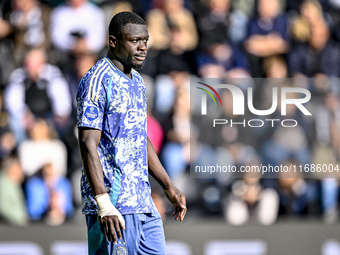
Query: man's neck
124	68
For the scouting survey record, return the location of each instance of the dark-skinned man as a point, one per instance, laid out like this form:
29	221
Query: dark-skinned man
116	152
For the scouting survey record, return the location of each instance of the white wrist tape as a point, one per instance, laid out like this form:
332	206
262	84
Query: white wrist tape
106	208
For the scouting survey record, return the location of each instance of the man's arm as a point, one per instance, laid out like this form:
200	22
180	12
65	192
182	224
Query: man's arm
266	45
110	219
174	195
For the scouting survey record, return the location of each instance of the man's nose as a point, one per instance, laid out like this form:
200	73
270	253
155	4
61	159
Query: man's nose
142	46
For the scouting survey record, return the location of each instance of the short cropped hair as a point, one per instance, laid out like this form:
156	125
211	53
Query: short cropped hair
121	19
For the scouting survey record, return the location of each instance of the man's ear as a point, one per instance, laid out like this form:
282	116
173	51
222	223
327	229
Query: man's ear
112	41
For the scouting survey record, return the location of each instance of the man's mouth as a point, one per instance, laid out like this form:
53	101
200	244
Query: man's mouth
140	57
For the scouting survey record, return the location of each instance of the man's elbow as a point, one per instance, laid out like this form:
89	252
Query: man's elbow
87	141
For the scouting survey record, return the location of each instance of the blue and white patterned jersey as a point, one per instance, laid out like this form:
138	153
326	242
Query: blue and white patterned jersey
110	101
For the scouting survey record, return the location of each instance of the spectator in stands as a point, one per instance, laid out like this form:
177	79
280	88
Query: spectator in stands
246	6
327	151
327	126
311	10
8	141
12	198
166	87
217	23
44	158
174	68
276	71
222	60
267	34
176	57
41	148
49	196
275	67
173	14
175	152
111	8
286	143
37	89
334	12
234	136
318	57
298	196
30	25
213	23
250	200
5	26
78	26
82	63
6	48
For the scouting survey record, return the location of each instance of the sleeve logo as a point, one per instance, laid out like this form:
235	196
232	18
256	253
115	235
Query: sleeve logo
91	113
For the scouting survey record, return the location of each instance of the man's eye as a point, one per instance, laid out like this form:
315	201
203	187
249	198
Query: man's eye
134	41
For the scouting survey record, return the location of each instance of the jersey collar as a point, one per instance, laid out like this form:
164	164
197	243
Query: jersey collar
116	69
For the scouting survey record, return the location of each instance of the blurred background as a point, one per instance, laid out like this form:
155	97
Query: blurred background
46	47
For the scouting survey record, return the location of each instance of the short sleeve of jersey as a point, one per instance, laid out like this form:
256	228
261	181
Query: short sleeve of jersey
91	102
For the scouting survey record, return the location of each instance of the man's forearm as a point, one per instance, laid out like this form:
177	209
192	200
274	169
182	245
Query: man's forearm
174	195
93	170
156	169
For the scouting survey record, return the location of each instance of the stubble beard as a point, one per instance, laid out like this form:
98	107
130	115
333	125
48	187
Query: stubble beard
137	66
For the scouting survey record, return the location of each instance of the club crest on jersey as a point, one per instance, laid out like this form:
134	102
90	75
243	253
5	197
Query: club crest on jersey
120	249
91	113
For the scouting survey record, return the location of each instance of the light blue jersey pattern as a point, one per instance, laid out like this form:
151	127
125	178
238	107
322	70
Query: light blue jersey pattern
110	101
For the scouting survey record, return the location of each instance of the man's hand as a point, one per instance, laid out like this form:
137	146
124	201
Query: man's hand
110	219
110	225
176	197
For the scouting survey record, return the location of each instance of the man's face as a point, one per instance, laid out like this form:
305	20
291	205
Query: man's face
131	45
34	62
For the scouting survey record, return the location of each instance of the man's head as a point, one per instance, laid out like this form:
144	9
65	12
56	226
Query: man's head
319	35
12	168
34	62
128	39
24	5
268	8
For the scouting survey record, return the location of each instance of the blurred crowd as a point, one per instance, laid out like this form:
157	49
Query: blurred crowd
46	46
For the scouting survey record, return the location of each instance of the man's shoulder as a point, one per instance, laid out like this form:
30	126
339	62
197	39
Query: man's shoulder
18	75
99	69
61	10
97	78
51	72
282	18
